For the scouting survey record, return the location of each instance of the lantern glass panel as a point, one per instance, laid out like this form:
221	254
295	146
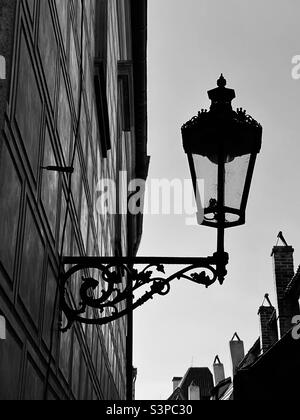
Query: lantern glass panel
236	170
207	179
235	177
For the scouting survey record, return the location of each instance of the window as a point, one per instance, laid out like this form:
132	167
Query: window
100	75
102	108
2	68
2	328
125	79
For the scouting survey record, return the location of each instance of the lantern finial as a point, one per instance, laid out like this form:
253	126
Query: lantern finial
221	97
222	82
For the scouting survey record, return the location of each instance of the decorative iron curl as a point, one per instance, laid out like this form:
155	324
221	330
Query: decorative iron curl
114	275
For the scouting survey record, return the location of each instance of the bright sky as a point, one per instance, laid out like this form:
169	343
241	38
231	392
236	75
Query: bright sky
191	42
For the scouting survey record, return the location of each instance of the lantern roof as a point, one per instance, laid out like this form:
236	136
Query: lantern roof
238	133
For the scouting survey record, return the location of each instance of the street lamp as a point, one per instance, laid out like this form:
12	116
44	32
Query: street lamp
221	146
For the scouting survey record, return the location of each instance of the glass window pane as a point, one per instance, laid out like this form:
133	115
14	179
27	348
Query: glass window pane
207	173
235	178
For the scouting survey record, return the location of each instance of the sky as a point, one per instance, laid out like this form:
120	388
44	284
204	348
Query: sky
190	43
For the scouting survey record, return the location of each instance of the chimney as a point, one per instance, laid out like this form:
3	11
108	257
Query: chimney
237	352
268	326
176	382
194	392
219	372
288	306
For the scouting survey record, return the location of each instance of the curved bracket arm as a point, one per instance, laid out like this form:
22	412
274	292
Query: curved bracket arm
119	282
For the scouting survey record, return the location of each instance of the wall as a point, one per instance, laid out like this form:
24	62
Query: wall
43	99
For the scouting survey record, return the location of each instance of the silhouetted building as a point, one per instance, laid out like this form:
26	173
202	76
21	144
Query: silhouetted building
270	370
49	115
223	391
195	385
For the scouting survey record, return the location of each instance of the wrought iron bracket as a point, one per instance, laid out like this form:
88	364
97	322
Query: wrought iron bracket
125	283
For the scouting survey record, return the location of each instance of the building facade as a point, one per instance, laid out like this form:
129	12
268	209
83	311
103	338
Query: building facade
73	97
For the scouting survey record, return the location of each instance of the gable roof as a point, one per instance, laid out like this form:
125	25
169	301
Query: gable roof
201	377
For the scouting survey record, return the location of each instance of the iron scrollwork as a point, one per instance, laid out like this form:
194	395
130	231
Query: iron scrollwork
114	294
